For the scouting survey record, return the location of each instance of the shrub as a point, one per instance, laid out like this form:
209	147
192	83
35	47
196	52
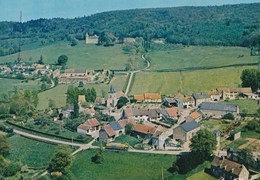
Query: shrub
11	169
229	116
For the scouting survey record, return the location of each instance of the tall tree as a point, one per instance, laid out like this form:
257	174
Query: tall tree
202	145
62	60
4	145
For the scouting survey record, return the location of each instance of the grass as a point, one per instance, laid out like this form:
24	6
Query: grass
122	165
7	85
126	139
213	124
170	83
248	106
198	173
80	56
236	143
58	94
30	152
199	56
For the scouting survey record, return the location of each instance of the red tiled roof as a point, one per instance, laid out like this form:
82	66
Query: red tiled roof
110	132
92	122
139	97
152	96
144	129
195	115
84	127
171	112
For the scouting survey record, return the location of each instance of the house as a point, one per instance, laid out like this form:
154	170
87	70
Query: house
89	127
227	93
184	101
173	113
142	114
214	95
170	102
218	110
148	97
201	97
118	129
81	99
143	131
196	116
250	96
107	134
229	170
186	131
91	39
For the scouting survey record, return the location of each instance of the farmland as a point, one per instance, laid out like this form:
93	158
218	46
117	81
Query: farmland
246	106
58	94
187	82
80	56
31	152
179	57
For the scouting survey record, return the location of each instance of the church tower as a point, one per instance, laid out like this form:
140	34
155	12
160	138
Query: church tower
111	100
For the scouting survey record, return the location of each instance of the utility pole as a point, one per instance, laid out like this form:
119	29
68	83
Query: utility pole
20	39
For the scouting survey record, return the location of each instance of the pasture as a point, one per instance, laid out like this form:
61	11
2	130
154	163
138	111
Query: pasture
30	152
122	165
179	57
58	94
7	85
79	56
187	82
245	105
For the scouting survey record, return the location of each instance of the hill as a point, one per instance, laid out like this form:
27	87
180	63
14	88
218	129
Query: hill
227	25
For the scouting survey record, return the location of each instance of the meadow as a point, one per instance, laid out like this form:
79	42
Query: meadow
79	56
187	82
245	105
12	84
30	152
58	94
180	57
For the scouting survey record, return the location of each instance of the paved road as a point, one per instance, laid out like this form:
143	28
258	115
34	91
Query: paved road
133	72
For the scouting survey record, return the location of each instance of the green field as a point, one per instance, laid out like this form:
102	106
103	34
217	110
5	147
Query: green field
214	124
126	139
58	94
80	56
199	56
33	153
248	106
122	165
186	82
12	84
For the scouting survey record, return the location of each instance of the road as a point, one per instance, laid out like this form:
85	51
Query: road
133	72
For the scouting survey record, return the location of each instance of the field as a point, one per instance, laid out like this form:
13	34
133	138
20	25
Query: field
12	84
199	56
248	106
213	124
126	139
80	56
122	165
33	153
186	82
58	94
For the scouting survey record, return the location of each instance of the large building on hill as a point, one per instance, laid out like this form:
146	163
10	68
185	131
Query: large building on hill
91	39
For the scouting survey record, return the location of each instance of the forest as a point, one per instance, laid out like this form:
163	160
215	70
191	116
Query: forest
227	25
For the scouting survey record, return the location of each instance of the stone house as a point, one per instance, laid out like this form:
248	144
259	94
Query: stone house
142	114
184	101
214	95
89	127
148	97
229	170
91	39
106	134
233	93
201	97
186	131
218	110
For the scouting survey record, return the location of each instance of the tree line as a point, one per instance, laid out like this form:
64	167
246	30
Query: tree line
228	25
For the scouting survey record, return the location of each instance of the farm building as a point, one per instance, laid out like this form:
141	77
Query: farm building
89	127
229	170
218	110
186	130
227	93
201	97
148	97
91	39
142	114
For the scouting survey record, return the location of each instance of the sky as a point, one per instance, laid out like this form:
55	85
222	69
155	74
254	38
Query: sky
35	9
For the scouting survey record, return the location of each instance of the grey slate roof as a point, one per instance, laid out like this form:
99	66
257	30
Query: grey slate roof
189	119
170	100
200	95
115	125
188	126
218	106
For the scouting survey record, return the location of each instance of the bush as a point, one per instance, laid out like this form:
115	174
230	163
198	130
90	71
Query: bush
229	116
11	169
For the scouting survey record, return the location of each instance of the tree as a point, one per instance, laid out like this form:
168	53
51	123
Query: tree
121	102
202	145
41	60
106	39
245	156
61	160
76	110
128	129
62	60
98	158
4	145
43	87
250	78
229	116
81	84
